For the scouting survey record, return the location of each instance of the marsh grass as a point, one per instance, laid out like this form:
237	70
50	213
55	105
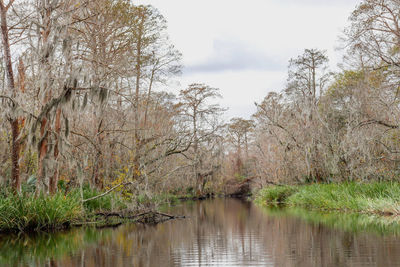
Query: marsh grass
26	212
275	195
373	198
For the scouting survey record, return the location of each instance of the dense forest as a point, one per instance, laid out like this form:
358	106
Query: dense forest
340	126
79	103
82	104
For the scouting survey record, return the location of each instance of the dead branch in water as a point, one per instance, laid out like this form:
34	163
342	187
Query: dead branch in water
144	217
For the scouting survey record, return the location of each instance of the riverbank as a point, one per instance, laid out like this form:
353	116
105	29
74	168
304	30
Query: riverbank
381	198
27	212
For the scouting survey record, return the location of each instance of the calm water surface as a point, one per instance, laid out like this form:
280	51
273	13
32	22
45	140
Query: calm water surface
221	232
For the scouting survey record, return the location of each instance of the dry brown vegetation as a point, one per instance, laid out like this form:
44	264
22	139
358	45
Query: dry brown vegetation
342	126
84	109
82	102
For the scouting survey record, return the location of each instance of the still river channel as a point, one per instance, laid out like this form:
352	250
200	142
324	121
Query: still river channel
219	232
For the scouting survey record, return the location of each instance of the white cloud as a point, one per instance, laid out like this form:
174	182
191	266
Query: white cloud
235	44
231	55
239	89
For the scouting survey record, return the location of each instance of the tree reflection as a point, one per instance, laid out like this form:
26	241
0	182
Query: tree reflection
222	232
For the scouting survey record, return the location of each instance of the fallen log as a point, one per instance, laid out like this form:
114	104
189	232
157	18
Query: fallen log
147	217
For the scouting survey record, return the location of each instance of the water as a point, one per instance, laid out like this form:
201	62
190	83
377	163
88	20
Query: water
221	232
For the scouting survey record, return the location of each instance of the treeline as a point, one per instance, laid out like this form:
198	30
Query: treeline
331	127
79	105
82	103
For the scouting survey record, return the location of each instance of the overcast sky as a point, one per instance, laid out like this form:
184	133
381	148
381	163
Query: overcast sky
243	47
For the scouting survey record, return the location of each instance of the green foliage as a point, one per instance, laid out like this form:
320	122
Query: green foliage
190	190
27	212
109	202
372	198
343	83
30	185
240	177
274	195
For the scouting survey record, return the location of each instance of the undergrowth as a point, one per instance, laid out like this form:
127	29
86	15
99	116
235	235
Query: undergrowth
377	197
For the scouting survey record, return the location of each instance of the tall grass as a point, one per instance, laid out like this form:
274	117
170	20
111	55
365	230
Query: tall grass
27	212
112	201
377	197
275	195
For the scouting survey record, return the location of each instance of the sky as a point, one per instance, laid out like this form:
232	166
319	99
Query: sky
243	47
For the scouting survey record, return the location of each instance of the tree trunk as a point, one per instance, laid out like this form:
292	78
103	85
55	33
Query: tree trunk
148	98
197	175
15	146
97	179
44	124
136	167
15	149
42	154
54	179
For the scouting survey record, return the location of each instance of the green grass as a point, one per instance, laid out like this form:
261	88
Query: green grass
29	213
275	195
372	198
26	212
110	202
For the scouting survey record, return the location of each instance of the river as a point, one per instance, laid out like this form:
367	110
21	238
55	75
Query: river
219	232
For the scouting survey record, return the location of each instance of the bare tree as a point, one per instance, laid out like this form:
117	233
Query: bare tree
203	117
239	130
13	118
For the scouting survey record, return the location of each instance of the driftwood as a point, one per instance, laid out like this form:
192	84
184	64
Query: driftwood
147	217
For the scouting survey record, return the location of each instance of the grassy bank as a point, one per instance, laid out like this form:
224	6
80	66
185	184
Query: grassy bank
371	198
29	213
26	212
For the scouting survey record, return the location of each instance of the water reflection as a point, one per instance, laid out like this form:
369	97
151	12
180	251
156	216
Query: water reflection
218	233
